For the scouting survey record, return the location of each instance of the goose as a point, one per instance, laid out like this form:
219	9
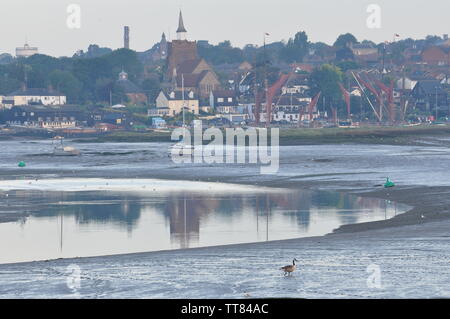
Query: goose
289	269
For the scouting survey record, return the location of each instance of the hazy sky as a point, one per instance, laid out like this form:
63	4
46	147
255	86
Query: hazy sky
43	22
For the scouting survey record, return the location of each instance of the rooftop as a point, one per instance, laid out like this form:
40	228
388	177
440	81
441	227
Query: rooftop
36	92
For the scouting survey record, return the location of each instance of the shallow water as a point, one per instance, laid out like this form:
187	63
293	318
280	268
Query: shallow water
65	218
367	164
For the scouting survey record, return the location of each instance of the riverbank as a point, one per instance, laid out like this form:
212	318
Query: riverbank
412	262
288	136
410	249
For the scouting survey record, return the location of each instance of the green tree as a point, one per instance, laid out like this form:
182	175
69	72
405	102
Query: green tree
348	65
222	53
296	49
345	54
326	79
103	89
152	87
345	40
65	82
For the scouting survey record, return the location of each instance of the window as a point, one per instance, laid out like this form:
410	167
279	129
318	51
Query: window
230	99
220	99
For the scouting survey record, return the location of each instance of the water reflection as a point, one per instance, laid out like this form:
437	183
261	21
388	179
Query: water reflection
99	223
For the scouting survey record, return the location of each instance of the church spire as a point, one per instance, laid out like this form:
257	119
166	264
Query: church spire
181	31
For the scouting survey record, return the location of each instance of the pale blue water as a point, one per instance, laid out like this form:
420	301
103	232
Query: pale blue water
157	215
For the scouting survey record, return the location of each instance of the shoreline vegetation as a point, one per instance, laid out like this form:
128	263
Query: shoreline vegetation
303	136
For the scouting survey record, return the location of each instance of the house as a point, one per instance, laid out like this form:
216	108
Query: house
437	56
406	83
365	52
202	79
238	118
34	96
292	109
428	94
172	102
363	49
26	51
297	85
158	122
44	117
134	93
115	118
223	101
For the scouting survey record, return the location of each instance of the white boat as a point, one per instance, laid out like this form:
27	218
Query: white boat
60	150
182	149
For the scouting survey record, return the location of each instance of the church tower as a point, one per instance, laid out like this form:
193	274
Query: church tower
181	31
180	50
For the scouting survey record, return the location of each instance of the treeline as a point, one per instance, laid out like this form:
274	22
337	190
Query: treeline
90	77
83	80
298	47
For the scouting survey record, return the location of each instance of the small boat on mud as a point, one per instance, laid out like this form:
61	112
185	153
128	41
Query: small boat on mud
60	150
182	149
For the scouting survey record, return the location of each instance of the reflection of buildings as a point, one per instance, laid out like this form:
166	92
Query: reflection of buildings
184	221
186	214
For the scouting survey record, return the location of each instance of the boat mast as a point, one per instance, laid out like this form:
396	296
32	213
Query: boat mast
182	94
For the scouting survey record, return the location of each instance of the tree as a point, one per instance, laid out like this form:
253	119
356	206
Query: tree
345	40
103	88
93	51
326	79
296	49
222	53
65	82
321	49
152	87
345	54
348	65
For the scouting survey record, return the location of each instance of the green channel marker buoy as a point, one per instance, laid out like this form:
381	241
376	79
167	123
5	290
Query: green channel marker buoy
22	164
388	183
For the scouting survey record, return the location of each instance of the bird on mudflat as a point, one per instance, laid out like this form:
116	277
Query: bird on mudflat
289	269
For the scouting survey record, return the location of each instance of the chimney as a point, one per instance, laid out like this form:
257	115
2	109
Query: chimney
126	37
